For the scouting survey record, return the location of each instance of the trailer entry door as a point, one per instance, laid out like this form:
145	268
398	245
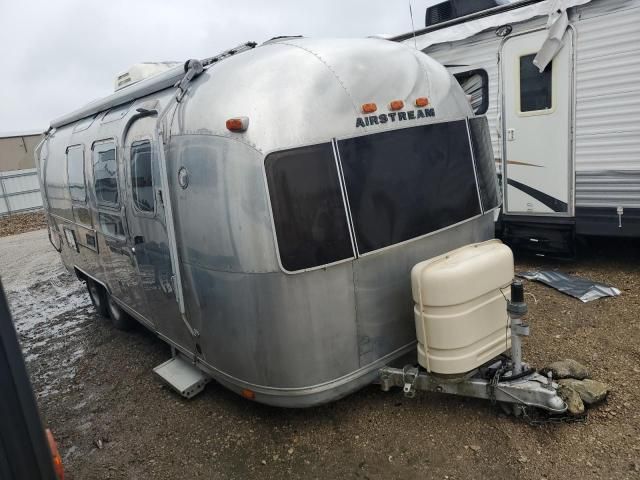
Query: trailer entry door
537	136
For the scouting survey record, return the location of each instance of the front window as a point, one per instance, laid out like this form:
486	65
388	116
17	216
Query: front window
308	210
485	163
379	190
403	184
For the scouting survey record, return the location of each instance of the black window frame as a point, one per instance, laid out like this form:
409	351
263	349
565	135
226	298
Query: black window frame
95	151
547	73
140	211
484	106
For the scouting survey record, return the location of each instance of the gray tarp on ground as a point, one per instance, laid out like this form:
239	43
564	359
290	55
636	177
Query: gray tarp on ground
581	288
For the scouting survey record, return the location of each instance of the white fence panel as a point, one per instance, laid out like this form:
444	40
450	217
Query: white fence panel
19	191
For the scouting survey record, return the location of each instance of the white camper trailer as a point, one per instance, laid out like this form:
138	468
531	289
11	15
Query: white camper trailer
558	82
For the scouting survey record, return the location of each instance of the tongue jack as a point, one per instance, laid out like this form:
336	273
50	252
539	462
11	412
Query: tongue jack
517	309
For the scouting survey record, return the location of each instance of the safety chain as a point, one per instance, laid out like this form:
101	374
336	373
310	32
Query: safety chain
409	388
540	420
493	384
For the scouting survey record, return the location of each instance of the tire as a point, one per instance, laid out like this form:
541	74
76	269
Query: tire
98	298
120	319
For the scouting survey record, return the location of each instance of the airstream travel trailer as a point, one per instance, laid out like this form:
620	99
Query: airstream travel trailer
261	211
567	140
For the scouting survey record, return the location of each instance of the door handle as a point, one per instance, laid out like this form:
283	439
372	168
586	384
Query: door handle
138	239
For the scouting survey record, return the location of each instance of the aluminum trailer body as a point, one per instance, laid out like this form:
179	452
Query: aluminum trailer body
273	251
571	164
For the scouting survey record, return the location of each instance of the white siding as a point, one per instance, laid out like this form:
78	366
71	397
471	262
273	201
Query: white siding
608	105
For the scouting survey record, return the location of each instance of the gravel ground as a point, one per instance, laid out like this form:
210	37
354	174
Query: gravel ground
95	387
22	222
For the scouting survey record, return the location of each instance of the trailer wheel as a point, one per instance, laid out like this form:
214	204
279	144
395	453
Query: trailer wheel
98	298
121	319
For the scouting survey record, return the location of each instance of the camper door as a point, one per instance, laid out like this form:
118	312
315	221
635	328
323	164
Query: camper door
537	113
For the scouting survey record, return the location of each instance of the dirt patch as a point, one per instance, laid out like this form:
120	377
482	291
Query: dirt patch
95	383
21	223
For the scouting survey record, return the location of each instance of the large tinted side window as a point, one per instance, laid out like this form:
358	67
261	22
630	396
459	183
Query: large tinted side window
105	173
308	210
485	163
535	87
406	183
75	173
141	176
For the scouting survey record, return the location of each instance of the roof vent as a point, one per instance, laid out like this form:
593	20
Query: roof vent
141	71
451	9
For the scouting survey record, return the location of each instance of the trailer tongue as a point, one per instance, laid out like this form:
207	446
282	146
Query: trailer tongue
468	314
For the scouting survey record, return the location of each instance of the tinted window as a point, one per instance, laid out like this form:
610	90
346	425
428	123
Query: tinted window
406	183
105	172
475	83
75	173
485	163
535	87
308	210
141	176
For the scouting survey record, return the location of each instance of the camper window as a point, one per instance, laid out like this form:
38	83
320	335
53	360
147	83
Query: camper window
105	173
308	208
475	83
75	173
535	87
406	183
141	176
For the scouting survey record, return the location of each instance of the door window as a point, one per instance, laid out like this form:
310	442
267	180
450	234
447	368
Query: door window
141	176
105	172
535	86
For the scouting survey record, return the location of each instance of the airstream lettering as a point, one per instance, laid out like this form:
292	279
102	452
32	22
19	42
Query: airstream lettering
401	116
245	219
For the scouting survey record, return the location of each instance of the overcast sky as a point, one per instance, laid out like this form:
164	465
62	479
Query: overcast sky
58	55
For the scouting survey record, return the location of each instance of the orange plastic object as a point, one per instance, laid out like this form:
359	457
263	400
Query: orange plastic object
55	455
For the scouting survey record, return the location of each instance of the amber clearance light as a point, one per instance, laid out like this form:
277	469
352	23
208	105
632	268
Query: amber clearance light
248	394
238	124
369	107
422	102
396	105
